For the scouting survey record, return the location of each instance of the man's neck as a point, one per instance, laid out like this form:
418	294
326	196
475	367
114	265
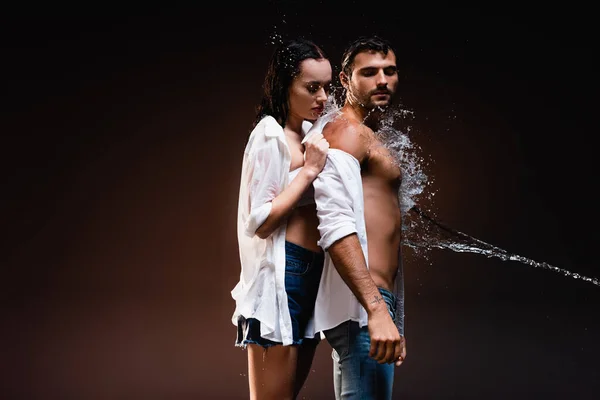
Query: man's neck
369	117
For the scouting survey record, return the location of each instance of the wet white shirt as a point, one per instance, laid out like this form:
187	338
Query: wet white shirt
260	292
339	199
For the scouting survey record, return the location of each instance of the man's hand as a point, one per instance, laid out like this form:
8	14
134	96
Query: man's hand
387	345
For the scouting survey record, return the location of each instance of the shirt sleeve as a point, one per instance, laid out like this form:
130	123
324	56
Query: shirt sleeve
335	208
262	174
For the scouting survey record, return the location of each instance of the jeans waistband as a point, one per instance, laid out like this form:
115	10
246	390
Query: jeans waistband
301	253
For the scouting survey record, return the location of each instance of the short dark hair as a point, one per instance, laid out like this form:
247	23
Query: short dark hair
361	44
283	68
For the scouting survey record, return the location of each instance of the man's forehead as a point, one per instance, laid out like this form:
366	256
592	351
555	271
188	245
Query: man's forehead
374	58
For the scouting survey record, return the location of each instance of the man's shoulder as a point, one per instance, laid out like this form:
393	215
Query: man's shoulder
348	135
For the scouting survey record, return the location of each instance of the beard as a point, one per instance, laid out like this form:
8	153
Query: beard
365	100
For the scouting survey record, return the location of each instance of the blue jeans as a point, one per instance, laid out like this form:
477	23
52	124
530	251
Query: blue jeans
355	374
303	269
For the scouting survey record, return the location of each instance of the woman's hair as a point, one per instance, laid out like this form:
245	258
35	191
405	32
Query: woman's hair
282	69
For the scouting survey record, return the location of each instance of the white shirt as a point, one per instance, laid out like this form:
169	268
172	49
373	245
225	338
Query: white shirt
340	208
260	292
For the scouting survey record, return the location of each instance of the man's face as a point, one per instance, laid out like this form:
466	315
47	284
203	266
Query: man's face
374	79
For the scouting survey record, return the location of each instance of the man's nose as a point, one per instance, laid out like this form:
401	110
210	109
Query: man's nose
381	79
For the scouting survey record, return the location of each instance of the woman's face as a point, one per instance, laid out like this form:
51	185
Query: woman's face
310	88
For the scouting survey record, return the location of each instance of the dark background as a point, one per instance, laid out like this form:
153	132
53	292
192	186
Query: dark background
122	138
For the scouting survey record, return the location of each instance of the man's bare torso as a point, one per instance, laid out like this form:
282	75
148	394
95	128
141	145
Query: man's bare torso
381	178
381	181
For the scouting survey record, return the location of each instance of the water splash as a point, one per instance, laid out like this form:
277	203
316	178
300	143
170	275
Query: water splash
425	232
420	230
401	150
405	154
276	39
440	236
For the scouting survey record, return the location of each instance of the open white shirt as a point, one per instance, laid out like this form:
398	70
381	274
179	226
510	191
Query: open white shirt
340	202
260	292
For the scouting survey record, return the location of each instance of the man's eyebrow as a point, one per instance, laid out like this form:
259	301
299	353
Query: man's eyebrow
368	67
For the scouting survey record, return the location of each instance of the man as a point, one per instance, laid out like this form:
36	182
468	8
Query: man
360	305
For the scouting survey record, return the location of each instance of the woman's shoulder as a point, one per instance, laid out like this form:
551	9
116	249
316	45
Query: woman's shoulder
268	127
264	135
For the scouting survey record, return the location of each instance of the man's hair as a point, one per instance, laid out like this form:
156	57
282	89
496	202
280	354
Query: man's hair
361	44
283	67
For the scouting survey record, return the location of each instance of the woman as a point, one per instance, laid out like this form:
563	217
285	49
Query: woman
277	224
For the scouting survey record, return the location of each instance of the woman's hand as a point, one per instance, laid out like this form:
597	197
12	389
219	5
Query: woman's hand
315	154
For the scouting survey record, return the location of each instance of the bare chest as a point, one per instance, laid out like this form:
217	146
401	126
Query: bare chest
381	165
296	148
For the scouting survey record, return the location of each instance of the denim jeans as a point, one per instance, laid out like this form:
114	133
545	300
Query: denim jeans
355	374
303	269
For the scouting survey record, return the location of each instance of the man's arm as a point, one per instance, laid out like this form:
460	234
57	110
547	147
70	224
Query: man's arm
348	258
339	236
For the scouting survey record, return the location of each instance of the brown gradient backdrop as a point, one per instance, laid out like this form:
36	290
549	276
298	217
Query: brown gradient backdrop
122	150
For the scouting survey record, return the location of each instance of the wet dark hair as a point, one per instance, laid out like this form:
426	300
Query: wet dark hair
361	44
283	68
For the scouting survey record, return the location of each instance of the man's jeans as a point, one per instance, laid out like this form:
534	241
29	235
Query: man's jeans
355	374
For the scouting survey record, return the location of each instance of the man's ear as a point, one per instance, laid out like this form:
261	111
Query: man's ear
344	79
